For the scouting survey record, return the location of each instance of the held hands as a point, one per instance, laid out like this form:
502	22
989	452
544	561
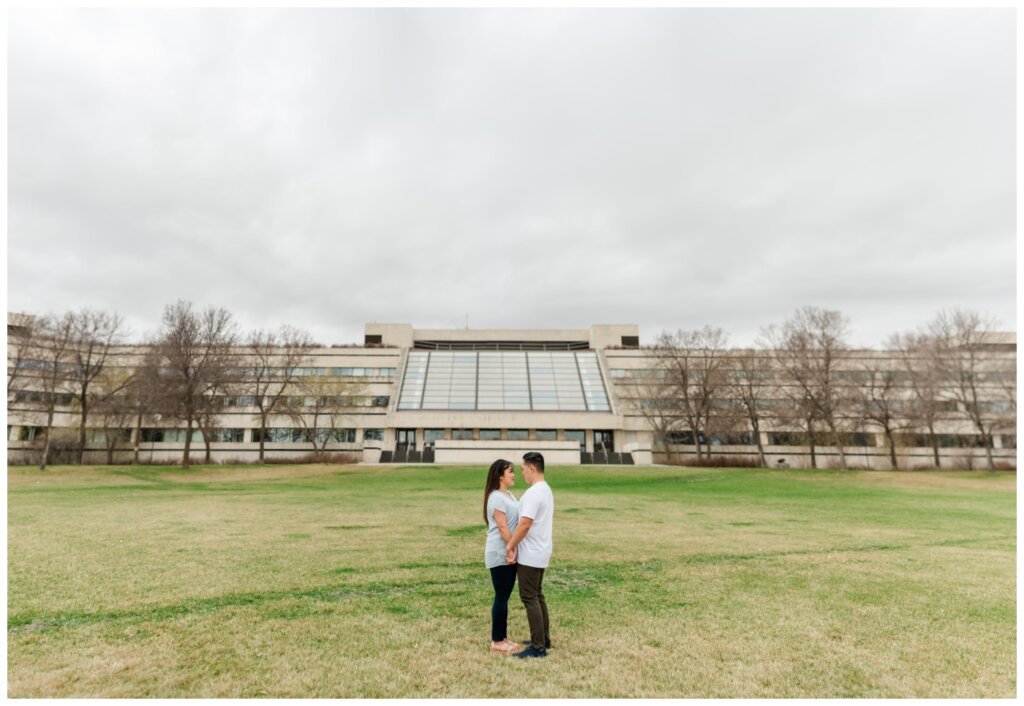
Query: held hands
510	555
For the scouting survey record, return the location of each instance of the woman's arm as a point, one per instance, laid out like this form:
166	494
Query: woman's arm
521	529
502	522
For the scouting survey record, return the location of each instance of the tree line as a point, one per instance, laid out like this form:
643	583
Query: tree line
197	357
802	374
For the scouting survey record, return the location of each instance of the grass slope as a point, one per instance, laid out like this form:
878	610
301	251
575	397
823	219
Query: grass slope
369	582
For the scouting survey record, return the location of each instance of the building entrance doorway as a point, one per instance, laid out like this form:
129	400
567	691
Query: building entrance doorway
406	440
604	442
405	444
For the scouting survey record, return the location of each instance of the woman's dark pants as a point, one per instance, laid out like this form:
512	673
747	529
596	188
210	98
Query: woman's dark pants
504	580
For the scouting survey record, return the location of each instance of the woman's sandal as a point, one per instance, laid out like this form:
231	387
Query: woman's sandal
504	647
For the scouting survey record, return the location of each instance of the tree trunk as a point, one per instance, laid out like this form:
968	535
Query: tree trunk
263	434
810	442
760	447
206	441
892	448
46	444
934	438
839	445
138	440
80	451
188	442
988	453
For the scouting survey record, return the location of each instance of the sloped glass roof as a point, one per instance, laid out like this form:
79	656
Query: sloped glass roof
503	380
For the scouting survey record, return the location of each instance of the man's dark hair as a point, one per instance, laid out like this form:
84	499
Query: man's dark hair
535	460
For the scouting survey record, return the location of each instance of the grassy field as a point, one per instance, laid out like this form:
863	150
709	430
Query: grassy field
334	581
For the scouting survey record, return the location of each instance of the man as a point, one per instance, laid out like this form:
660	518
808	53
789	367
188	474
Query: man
532	541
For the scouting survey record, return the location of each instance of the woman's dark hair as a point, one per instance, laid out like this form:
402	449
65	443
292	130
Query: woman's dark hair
494	475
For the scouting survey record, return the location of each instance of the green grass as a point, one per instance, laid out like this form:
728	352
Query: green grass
333	581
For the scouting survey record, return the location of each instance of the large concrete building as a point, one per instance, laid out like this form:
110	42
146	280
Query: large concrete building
470	396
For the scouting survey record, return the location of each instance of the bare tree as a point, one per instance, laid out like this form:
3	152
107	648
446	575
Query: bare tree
958	336
196	351
696	379
807	349
926	406
319	409
112	407
94	333
53	355
21	342
750	386
881	402
656	402
274	358
145	394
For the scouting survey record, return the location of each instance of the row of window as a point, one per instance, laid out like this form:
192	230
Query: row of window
313	401
165	436
275	435
680	438
783	405
836	375
249	373
791	438
60	399
291	435
432	435
28	364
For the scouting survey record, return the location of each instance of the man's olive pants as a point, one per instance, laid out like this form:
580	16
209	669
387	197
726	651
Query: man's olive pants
530	580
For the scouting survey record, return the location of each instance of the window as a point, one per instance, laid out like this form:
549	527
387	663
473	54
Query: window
462	434
546	435
344	436
490	434
239	401
280	435
373	435
579	436
960	441
518	434
29	433
432	435
997	406
742	439
679	438
503	380
787	438
232	436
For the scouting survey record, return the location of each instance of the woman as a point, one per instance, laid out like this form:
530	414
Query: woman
501	513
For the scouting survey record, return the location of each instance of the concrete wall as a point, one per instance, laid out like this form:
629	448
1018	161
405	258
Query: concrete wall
556	453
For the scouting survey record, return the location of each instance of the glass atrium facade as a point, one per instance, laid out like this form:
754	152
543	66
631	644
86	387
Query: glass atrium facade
504	380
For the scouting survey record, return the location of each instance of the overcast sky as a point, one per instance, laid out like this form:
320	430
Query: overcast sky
522	168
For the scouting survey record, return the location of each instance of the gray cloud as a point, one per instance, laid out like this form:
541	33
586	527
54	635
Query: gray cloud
668	167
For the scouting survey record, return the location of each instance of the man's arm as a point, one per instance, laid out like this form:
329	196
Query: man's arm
521	529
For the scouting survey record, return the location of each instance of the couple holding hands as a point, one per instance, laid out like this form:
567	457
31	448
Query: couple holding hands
518	546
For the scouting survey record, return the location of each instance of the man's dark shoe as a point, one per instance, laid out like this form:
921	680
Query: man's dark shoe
547	643
531	651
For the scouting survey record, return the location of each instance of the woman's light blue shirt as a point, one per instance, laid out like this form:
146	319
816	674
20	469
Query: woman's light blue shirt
494	549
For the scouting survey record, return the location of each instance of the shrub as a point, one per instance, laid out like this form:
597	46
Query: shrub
718	461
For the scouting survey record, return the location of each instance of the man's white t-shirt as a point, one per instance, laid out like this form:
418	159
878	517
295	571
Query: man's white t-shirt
538	504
